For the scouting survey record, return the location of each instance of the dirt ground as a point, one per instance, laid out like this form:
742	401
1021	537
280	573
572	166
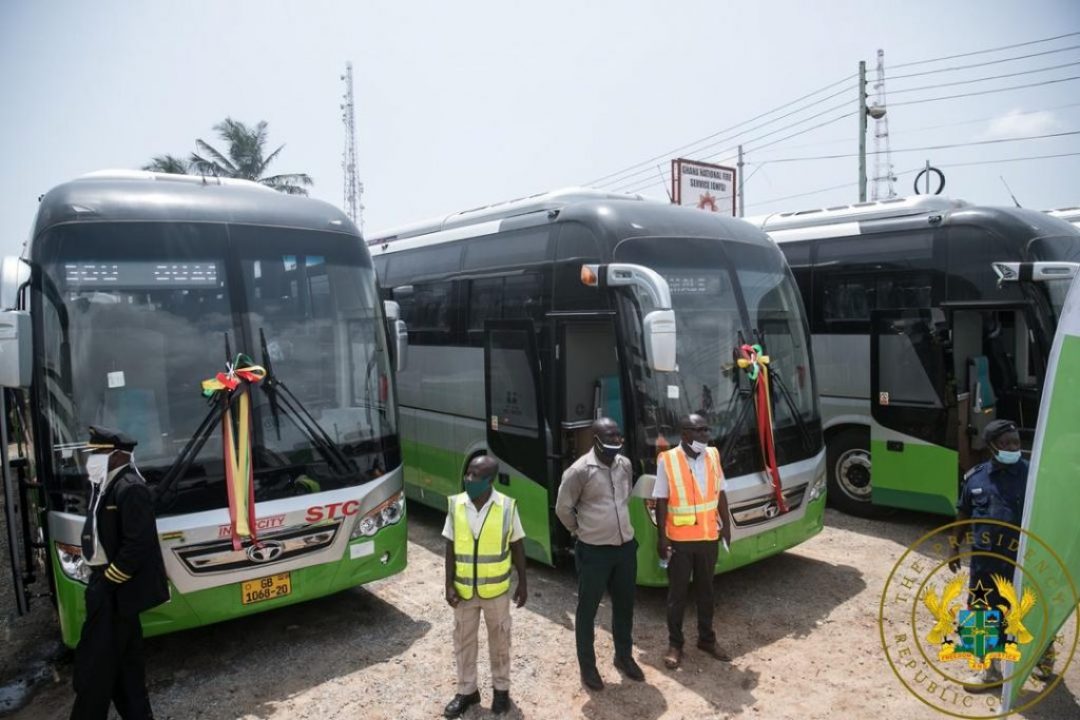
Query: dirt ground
801	627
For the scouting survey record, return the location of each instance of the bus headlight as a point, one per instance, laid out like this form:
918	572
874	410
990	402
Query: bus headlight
388	513
817	486
71	562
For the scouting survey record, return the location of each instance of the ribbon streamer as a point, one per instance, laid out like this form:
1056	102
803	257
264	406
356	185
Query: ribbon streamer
239	470
756	364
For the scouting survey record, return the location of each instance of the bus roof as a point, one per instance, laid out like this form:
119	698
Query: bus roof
615	216
894	207
1069	214
554	200
135	195
906	212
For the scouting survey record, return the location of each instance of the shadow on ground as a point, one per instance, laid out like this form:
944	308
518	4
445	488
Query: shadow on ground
751	594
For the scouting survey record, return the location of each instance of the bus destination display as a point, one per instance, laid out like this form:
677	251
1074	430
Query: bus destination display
142	275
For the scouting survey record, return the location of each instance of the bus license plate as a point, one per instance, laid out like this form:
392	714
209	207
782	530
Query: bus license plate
267	588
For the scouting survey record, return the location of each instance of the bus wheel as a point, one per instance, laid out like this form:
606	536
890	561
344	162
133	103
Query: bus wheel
848	454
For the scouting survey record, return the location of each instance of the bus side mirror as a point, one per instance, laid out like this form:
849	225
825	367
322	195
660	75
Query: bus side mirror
15	337
399	332
659	327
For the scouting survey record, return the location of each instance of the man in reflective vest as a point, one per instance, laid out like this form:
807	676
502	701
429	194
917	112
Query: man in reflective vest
483	538
691	514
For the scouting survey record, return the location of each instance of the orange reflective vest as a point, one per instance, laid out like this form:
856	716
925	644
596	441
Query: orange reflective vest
690	515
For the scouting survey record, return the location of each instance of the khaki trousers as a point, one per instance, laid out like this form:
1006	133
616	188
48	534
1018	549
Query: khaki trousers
466	628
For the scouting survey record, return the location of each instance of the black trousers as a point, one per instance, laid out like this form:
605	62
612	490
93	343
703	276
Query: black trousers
611	568
692	565
109	660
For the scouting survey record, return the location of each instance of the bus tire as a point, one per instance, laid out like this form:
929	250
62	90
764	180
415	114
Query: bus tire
849	477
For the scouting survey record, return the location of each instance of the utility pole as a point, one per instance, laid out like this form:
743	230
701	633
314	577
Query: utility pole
742	200
354	189
862	131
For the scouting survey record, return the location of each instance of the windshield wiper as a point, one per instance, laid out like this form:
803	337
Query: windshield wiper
278	392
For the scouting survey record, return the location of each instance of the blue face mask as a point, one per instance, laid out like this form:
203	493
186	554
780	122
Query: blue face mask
475	487
1007	457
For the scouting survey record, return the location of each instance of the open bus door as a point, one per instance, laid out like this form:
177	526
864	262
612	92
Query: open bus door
912	438
516	432
15	373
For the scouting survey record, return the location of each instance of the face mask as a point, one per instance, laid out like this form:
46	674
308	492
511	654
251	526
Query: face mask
478	486
606	451
1007	457
97	467
698	446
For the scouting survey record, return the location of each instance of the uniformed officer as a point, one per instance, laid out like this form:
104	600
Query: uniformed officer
994	490
127	576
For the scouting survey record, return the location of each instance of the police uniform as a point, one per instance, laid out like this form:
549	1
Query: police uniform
127	576
993	492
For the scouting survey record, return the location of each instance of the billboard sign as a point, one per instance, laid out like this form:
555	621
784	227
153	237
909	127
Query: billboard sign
703	185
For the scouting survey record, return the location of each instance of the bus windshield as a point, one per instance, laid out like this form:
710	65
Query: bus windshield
1056	249
136	315
720	289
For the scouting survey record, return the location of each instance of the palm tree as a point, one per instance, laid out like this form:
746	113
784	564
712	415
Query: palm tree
168	164
246	158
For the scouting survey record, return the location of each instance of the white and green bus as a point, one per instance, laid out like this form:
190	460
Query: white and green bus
530	318
135	287
918	344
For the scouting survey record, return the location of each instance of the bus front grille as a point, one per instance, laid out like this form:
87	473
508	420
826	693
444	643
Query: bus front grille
763	510
272	548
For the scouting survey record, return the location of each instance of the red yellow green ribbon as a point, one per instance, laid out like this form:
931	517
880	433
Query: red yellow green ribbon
755	362
239	470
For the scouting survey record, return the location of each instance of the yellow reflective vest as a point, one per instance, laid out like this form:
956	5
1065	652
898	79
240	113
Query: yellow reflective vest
690	515
482	564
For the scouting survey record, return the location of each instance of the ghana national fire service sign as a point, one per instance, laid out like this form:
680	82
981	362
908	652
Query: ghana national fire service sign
703	185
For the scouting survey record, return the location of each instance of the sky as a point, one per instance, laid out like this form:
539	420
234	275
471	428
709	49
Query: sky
468	103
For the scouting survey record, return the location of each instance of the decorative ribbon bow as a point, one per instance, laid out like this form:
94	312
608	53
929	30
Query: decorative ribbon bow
756	364
239	375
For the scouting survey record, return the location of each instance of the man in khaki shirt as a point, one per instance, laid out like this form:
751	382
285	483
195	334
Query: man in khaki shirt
592	504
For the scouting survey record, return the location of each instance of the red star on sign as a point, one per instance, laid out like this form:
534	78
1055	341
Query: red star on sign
706	201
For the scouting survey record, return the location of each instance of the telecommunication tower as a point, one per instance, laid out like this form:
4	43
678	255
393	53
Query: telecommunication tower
883	169
354	189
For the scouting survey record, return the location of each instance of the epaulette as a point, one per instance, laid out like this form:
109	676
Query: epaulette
974	469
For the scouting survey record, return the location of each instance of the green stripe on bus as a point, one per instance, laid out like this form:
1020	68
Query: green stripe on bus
433	474
919	477
743	552
223	603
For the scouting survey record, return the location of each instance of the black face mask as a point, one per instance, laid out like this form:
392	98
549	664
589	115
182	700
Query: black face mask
607	452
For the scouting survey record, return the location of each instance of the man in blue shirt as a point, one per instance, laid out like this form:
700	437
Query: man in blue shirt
994	491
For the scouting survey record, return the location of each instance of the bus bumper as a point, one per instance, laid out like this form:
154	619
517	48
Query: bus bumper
743	552
387	557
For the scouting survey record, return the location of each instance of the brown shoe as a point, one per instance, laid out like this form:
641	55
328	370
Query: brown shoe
673	658
715	651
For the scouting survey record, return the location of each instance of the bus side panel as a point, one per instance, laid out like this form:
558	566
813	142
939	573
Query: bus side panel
922	477
384	556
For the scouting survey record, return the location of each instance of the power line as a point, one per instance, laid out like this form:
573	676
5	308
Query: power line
698	147
733	127
922	128
981	64
624	185
917	169
932	147
984	79
984	52
986	92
